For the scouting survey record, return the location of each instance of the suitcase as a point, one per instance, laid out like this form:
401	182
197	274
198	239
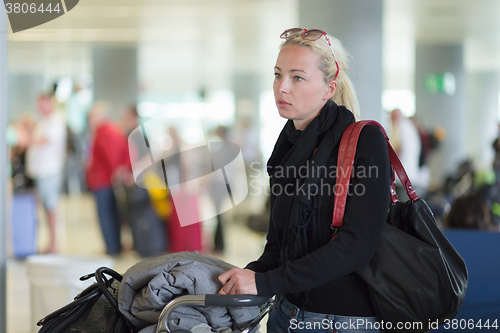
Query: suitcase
148	232
148	229
184	238
24	225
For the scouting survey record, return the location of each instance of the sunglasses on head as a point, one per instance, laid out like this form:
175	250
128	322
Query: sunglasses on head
312	35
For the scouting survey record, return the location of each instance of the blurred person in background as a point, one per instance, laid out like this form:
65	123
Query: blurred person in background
470	212
496	159
108	153
130	119
405	140
45	159
249	144
21	181
17	137
77	107
221	153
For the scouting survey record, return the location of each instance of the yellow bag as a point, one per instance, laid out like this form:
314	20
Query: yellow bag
159	197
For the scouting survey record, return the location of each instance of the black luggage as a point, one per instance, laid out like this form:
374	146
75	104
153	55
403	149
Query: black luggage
148	229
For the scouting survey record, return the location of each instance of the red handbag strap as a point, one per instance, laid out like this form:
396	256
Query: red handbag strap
345	163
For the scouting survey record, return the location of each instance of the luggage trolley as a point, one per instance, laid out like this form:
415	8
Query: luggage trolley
104	295
216	300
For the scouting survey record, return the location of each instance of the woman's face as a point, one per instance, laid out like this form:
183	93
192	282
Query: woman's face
299	88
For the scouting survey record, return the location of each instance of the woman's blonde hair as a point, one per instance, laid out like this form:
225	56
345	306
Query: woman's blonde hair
345	93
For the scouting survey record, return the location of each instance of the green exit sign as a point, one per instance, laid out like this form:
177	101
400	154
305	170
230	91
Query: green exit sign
440	83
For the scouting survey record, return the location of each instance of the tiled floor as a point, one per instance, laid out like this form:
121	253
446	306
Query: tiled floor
79	234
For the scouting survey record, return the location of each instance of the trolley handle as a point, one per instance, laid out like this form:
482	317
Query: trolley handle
235	300
207	300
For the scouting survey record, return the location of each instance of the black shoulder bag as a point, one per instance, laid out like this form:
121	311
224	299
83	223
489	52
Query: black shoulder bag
417	279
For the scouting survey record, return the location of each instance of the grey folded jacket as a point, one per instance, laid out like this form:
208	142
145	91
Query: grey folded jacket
150	284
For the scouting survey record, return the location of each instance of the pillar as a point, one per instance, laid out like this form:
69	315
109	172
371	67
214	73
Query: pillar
358	25
482	116
3	171
115	76
446	107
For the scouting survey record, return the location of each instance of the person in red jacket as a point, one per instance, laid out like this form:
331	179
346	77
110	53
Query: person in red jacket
108	153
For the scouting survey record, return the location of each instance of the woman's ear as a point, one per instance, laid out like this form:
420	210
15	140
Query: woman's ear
330	89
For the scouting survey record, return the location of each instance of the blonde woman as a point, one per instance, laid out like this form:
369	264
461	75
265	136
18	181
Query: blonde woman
313	275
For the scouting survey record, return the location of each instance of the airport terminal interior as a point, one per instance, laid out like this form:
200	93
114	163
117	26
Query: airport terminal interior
170	77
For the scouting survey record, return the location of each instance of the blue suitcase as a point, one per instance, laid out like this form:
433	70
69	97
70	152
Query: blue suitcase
24	225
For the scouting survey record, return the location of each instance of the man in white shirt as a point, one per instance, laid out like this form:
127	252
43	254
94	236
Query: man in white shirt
45	159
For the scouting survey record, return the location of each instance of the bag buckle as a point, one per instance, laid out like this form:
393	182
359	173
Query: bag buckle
335	231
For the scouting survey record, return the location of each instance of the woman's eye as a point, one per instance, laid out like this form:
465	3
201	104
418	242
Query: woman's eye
298	78
277	75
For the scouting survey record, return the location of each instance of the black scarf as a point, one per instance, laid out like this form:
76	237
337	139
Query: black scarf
295	149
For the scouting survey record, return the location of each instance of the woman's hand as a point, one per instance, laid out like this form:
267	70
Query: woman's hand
238	281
